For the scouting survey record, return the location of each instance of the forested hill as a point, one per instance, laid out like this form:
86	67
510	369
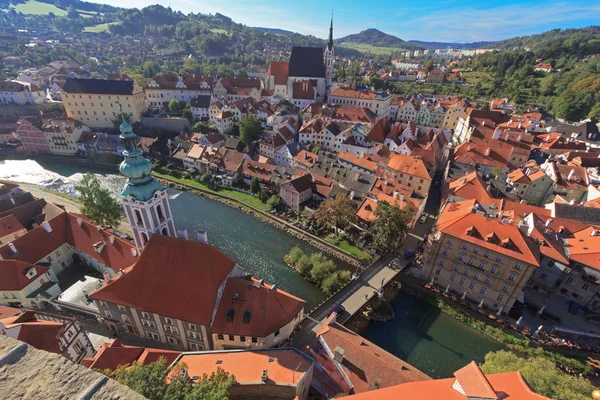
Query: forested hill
375	37
557	42
443	45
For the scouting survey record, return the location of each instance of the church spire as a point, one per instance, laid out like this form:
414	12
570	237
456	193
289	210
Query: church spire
330	43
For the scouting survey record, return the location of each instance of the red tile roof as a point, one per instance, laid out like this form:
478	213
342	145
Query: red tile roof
267	308
12	274
42	335
112	355
279	69
408	165
173	277
345	92
474	383
362	162
6	312
303	90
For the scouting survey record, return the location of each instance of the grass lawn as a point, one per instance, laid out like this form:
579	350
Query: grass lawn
38	8
367	48
344	245
246	198
99	28
475	77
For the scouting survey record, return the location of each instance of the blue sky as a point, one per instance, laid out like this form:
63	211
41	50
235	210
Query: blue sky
443	20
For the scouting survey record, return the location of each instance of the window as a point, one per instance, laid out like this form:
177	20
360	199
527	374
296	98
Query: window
488	280
471	260
494	269
148	324
442	261
449	240
196	347
475	250
462	281
152	335
506	287
512	276
231	338
585	286
169	321
220	337
486	254
477	275
499	258
242	338
446	251
103	303
194	335
452	277
254	340
192	327
121	308
145	315
108	314
472	285
171	329
438	271
461	256
500	297
277	333
467	271
482	264
543	276
172	340
483	289
569	280
456	267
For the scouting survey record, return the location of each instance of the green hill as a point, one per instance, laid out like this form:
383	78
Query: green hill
376	38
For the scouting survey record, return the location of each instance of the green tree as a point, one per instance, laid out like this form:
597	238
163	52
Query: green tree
187	113
263	196
206	179
321	269
390	224
428	65
303	265
97	203
254	185
294	255
275	202
338	212
542	375
250	128
175	106
335	281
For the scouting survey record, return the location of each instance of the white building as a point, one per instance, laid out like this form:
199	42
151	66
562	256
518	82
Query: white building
166	87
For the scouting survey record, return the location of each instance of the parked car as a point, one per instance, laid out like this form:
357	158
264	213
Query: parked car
423	219
408	254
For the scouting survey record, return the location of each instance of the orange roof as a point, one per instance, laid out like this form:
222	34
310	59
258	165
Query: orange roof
173	277
380	130
42	335
470	186
6	312
345	92
367	209
196	151
518	176
474	383
258	310
358	161
9	224
507	386
280	69
389	188
284	366
353	114
306	158
13	274
258	169
408	165
585	248
303	90
114	354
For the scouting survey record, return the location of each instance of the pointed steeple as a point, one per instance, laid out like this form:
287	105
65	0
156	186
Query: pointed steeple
330	43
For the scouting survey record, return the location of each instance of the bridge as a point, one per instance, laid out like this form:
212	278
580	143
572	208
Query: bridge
351	297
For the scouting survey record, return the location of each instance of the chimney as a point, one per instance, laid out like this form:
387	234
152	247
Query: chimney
507	136
47	226
264	377
52	123
99	228
496	134
594	233
107	278
111	239
571	175
202	236
548	223
339	354
12	248
134	252
488	151
519	138
79	221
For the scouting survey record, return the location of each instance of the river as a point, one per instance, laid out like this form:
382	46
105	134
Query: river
433	342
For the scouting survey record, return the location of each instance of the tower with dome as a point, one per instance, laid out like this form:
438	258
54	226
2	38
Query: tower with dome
145	200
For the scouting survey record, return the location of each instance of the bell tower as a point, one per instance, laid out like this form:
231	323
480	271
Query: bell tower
329	57
145	200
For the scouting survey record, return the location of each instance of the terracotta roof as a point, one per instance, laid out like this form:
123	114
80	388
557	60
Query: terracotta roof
8	225
471	186
381	186
408	165
379	131
323	186
362	162
173	277
284	366
13	274
112	355
366	210
196	151
258	310
345	92
42	335
474	383
351	113
6	312
232	160
306	158
260	170
365	365
303	90
301	183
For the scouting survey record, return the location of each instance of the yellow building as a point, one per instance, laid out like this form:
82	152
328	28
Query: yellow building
473	253
62	135
95	102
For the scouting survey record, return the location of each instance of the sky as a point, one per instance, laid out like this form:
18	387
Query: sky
435	20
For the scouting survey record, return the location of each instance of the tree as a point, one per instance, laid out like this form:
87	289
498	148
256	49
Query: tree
294	255
263	196
175	106
542	375
428	65
390	223
250	129
303	265
275	202
254	185
322	268
151	381
338	212
97	202
187	113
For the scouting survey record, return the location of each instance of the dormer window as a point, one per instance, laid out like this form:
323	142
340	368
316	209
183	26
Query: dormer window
30	273
230	315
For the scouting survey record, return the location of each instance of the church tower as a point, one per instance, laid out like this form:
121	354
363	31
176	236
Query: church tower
145	200
329	57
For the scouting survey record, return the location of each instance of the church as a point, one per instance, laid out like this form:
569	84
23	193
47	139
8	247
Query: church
312	65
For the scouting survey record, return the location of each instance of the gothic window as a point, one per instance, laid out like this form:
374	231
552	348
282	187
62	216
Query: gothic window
138	217
161	217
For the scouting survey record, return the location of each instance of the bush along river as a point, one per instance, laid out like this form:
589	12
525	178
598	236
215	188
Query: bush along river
433	342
